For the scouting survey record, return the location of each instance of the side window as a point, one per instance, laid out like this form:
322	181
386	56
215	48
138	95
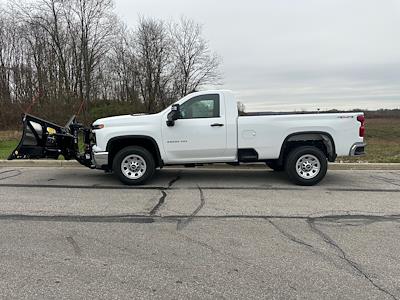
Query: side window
204	106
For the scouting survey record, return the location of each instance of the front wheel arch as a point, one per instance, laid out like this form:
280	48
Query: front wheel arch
116	144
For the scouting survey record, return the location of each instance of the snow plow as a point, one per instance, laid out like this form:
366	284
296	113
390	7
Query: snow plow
45	140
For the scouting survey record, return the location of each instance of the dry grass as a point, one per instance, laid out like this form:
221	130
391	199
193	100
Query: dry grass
9	135
383	141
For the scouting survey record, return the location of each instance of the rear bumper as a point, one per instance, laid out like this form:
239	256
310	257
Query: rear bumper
358	149
100	159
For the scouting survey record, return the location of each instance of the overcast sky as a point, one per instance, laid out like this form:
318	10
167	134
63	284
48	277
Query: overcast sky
296	54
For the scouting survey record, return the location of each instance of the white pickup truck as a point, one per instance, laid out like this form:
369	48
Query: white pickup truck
201	128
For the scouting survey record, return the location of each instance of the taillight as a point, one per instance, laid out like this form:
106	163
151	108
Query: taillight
361	119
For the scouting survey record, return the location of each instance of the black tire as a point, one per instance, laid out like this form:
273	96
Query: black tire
138	152
302	152
274	165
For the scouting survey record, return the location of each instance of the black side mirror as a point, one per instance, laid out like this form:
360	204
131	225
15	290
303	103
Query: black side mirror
173	115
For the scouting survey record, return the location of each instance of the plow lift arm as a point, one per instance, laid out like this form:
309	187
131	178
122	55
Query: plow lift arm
43	139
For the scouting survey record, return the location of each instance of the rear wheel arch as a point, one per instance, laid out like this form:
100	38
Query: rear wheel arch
116	144
319	139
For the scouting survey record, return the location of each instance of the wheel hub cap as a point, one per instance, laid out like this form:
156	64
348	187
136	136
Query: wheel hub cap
308	166
133	166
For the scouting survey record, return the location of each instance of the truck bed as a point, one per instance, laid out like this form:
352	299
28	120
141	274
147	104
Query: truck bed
276	127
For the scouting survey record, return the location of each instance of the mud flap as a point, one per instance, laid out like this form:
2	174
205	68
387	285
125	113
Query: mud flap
44	139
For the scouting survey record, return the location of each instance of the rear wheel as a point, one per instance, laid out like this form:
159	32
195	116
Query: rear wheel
306	165
134	165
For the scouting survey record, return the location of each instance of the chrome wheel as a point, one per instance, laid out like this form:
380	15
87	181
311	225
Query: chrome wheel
133	166
308	166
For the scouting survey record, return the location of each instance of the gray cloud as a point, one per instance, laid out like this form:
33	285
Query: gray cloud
297	54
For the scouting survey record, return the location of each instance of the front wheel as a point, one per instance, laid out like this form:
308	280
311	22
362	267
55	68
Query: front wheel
134	165
306	165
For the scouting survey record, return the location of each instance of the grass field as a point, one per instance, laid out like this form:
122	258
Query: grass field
383	139
8	142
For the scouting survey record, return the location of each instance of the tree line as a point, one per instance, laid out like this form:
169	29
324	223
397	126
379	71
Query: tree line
59	54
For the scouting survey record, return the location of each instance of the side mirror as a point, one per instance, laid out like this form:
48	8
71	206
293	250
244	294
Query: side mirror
173	115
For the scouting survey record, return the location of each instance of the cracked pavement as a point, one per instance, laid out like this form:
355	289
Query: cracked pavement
198	233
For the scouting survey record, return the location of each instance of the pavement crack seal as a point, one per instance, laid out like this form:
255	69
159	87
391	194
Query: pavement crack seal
144	219
214	250
342	255
173	181
133	219
15	173
181	224
75	245
288	235
392	181
164	195
159	204
311	248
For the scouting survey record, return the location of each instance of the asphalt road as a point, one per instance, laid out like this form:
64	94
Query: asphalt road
195	233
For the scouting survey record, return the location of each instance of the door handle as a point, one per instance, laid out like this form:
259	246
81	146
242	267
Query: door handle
217	125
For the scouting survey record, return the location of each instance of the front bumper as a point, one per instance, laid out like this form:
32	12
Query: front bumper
100	159
358	149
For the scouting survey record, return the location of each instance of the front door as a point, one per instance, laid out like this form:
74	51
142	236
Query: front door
199	135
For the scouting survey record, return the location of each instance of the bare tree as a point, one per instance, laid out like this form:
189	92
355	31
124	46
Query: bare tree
5	58
41	27
91	29
153	60
194	63
121	67
68	51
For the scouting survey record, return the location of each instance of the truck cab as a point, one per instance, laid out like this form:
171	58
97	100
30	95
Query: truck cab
203	130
